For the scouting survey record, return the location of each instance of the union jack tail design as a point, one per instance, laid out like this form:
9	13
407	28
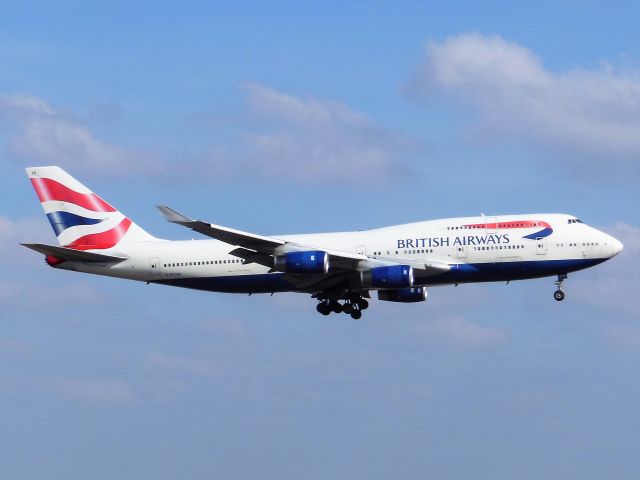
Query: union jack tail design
81	219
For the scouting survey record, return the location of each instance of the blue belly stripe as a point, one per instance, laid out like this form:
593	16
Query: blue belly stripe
459	273
504	271
257	283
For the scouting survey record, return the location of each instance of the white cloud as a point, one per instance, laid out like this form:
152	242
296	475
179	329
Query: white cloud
283	138
312	140
586	117
38	132
266	101
461	332
95	390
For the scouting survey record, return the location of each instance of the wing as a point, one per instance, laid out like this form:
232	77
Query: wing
253	248
257	243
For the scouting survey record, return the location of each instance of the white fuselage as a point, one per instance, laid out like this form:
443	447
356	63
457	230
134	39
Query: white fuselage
509	247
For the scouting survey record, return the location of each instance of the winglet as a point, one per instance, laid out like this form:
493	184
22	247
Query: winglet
172	216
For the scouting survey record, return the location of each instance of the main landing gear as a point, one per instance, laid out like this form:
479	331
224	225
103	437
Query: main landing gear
352	305
559	294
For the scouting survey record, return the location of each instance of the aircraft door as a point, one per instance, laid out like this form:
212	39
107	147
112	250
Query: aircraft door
361	249
541	246
154	266
462	251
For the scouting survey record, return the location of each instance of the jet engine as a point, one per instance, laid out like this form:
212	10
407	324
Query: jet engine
395	276
404	295
313	261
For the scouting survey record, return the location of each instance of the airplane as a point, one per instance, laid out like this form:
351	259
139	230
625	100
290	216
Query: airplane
339	269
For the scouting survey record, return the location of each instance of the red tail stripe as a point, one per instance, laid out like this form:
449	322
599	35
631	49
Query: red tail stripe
99	241
48	189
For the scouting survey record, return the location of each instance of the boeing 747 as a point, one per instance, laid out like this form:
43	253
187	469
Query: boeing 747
340	270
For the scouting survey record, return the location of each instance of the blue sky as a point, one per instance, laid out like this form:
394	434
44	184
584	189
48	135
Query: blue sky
285	117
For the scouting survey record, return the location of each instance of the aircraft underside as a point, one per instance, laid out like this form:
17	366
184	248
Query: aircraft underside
353	297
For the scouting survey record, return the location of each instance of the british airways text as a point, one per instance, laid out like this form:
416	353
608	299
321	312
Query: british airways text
449	241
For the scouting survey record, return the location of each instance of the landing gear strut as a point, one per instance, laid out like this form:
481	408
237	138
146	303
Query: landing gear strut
351	305
559	294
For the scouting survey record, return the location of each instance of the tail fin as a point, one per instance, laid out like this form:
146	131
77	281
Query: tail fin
80	219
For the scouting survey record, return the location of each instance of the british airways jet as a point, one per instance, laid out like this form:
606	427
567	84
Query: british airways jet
340	269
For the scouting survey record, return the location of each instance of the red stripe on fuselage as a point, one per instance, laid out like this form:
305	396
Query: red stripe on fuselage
514	224
101	241
48	189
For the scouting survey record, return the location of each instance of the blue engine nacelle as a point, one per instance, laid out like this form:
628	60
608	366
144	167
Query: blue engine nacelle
395	276
405	295
314	261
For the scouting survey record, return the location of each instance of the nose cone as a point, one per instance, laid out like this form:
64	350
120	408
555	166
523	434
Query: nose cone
616	246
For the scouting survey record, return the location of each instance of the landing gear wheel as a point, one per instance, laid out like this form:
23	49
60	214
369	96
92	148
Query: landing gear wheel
336	307
347	308
559	294
363	304
356	314
323	308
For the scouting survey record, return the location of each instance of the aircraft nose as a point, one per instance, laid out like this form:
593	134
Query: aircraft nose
616	246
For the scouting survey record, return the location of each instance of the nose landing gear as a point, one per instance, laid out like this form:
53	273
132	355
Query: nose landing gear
559	294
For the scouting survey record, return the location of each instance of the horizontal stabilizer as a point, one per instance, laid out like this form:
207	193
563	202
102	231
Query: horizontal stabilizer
72	255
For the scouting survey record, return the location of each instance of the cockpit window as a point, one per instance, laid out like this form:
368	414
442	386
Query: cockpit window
574	220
